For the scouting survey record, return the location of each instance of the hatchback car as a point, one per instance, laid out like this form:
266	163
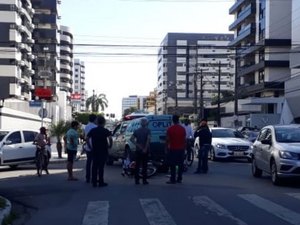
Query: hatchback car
276	151
228	143
16	147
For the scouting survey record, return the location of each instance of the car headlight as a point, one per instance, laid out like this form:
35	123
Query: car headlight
220	146
288	155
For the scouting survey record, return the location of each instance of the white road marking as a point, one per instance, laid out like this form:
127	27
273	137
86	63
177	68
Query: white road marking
156	212
294	195
215	208
96	213
273	208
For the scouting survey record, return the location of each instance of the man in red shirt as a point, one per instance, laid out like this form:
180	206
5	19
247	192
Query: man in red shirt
175	144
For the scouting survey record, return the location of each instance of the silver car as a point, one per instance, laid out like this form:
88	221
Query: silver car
228	143
277	151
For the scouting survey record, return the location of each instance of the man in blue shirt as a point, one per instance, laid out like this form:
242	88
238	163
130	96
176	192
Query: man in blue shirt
72	137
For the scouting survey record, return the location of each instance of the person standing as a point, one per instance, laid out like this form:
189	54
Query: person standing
42	141
189	135
91	124
141	139
205	136
72	137
175	144
99	140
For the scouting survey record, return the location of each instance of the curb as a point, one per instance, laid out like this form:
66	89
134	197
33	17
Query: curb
5	211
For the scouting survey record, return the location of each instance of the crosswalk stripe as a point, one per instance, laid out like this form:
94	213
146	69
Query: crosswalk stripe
215	208
156	212
273	208
96	213
295	195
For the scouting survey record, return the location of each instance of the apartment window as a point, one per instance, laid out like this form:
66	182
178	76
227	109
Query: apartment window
261	76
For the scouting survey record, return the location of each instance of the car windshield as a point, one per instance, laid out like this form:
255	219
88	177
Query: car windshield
3	134
226	133
287	134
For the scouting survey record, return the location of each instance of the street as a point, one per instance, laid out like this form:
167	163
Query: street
227	195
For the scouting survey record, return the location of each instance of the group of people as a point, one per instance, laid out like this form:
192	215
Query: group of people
98	140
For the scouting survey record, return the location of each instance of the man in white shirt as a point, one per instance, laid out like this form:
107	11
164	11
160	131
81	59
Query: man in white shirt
189	136
91	124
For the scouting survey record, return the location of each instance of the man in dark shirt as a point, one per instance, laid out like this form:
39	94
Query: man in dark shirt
205	137
100	141
141	139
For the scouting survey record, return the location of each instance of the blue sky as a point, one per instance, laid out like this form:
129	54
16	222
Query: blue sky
133	22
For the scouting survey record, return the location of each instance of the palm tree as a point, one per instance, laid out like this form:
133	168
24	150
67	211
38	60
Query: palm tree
96	101
59	130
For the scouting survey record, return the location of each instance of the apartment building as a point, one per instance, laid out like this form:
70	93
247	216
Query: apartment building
138	102
292	90
190	68
262	39
79	93
66	61
16	49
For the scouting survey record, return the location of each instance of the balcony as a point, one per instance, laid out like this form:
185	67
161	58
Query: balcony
247	13
247	31
237	5
259	88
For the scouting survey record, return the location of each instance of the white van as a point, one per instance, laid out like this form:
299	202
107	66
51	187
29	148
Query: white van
16	147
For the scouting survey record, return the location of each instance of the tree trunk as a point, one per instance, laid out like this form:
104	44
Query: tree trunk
59	149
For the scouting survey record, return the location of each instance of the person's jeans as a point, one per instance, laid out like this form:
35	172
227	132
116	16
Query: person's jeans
141	159
203	158
88	166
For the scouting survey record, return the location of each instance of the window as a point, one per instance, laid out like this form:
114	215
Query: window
15	137
29	136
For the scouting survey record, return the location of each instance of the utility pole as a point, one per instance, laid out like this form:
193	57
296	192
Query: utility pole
201	111
93	101
219	96
236	97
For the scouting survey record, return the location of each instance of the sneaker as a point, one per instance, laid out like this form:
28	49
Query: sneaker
170	182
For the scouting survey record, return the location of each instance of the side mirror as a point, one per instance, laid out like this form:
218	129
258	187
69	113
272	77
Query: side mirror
7	142
266	142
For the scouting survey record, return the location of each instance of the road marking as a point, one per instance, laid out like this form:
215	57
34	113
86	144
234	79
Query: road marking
294	195
96	213
156	212
215	208
273	208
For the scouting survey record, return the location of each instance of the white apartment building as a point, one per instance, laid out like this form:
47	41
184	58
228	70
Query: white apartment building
138	102
189	68
79	86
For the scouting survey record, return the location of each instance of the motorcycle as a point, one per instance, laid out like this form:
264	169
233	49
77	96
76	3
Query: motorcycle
129	168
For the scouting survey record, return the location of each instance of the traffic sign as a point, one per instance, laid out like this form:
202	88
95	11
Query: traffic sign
43	113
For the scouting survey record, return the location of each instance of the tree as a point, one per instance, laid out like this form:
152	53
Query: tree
96	101
58	130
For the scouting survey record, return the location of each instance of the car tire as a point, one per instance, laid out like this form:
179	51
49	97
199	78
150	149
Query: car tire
256	172
212	154
274	174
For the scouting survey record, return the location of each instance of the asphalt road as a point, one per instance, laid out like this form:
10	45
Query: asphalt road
227	195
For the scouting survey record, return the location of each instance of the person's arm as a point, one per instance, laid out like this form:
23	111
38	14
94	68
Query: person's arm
147	145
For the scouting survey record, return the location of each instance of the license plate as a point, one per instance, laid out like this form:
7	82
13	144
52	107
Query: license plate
238	153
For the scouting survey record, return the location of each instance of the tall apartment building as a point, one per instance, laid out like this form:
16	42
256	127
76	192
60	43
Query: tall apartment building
66	61
292	90
46	48
16	49
189	67
79	86
139	102
262	39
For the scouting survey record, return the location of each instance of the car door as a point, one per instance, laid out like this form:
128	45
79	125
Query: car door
266	150
29	148
12	150
258	148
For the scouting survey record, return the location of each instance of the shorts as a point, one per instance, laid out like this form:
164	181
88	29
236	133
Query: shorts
71	155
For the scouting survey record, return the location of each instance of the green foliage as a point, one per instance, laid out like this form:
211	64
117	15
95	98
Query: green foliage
129	110
59	129
97	101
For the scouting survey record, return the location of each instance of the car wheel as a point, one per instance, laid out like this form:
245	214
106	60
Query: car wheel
212	154
256	172
274	174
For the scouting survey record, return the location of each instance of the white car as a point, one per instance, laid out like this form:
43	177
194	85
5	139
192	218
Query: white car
228	143
16	147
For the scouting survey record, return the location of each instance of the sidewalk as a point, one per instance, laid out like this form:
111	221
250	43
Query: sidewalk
56	159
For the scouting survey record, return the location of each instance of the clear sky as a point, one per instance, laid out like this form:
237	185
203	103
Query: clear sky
125	69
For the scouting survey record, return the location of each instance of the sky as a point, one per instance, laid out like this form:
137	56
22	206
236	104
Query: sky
118	40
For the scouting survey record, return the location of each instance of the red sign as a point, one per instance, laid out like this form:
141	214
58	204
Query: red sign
75	96
43	92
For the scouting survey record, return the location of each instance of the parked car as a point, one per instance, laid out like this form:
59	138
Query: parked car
228	143
16	147
276	151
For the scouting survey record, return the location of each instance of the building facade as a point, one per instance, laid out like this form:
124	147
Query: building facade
138	102
16	55
79	94
190	69
262	40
